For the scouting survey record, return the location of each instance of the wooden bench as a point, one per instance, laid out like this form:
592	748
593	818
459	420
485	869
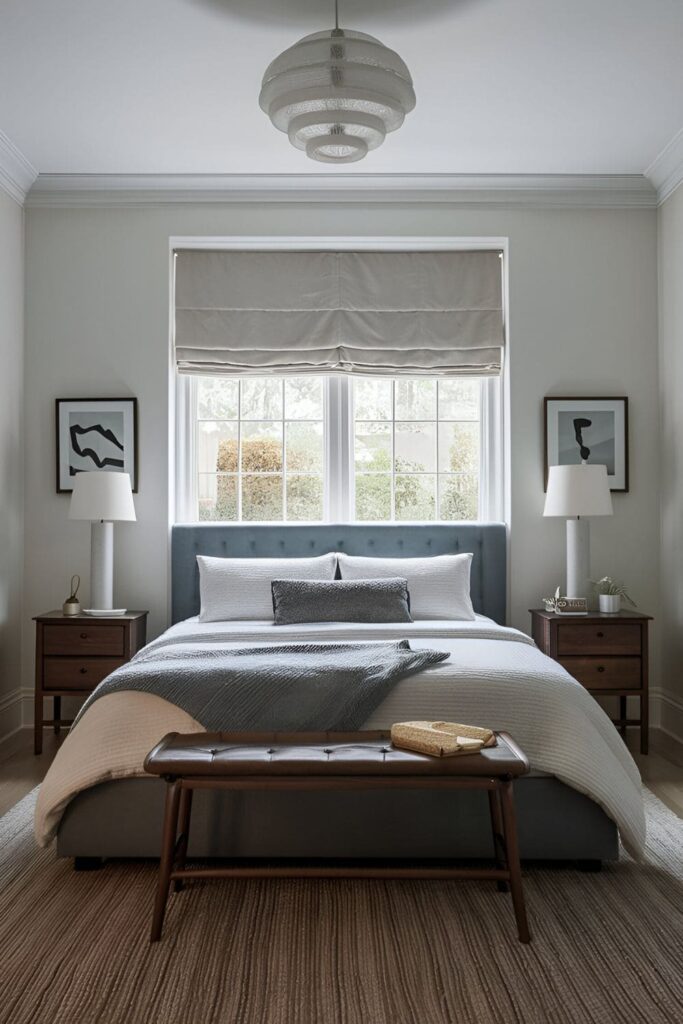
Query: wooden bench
330	761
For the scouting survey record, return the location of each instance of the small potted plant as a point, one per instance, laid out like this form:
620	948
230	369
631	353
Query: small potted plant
610	594
550	603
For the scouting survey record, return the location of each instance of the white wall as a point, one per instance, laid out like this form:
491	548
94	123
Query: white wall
11	457
583	320
671	405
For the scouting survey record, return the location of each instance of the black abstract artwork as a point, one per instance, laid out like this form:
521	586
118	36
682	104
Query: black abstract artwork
96	435
588	436
579	425
99	461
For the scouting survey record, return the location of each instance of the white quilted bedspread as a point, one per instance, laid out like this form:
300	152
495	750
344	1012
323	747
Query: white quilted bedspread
495	677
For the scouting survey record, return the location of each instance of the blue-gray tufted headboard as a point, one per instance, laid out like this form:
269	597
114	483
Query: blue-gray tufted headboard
240	540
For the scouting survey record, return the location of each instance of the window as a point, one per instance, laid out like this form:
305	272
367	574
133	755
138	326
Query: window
312	449
259	446
416	449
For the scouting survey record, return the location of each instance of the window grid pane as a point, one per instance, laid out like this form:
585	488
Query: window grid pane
261	455
434	465
250	466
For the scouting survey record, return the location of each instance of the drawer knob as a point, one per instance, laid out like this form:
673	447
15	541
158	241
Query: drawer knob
601	668
600	634
84	670
84	636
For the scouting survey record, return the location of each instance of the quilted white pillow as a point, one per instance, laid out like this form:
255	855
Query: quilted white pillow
239	588
439	587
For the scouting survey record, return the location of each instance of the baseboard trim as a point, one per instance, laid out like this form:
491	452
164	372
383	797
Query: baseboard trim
11	713
27	697
667	746
667	713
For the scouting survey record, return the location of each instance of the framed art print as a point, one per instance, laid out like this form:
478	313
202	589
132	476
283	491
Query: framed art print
96	434
592	430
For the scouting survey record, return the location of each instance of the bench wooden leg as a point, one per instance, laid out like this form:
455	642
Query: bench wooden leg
184	830
56	713
507	800
498	835
167	857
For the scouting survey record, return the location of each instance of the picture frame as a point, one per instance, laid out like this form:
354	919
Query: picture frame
594	430
95	434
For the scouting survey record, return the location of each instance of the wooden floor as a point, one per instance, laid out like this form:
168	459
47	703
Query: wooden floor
21	770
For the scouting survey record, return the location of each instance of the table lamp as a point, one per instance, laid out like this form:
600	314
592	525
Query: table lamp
576	492
104	498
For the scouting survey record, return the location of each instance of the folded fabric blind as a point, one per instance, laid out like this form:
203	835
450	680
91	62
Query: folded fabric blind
388	313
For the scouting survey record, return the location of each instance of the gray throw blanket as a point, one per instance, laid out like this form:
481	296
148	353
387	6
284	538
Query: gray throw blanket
287	687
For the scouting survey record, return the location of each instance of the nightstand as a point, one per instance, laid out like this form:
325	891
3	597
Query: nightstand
608	654
74	653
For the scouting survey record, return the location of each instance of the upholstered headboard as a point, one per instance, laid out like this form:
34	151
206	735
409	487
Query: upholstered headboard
486	540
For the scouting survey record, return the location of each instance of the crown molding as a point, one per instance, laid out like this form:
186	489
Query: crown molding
17	174
561	191
666	170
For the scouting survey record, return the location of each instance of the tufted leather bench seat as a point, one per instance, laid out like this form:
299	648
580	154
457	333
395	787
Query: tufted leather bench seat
329	760
324	753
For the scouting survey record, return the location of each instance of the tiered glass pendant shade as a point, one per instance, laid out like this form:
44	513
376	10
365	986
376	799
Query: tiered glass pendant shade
337	94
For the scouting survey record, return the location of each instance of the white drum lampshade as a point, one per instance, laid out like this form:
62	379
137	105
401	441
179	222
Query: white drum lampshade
576	492
336	94
103	498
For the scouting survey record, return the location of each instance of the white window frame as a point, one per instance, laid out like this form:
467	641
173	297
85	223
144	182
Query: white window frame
339	478
338	439
494	488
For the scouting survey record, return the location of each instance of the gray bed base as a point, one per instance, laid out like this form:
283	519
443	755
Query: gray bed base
123	818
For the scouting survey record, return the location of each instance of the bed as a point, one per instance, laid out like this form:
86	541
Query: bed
568	807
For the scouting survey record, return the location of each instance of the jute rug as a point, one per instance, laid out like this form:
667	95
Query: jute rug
74	947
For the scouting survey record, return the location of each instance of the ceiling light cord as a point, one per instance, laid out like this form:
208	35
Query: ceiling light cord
336	31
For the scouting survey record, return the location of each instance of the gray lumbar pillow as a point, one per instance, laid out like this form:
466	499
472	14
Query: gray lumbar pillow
385	600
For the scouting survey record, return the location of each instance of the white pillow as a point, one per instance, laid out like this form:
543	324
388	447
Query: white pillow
439	586
239	588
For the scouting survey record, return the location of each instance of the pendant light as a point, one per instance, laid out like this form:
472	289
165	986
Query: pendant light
337	93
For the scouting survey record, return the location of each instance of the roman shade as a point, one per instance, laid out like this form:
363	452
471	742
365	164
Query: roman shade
386	313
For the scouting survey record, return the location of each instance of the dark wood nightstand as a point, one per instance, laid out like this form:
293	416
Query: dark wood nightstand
74	653
608	654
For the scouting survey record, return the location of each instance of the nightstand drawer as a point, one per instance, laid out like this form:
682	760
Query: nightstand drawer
605	673
597	638
77	673
83	639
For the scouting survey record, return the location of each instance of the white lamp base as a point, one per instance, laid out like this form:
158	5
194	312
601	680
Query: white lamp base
578	558
101	565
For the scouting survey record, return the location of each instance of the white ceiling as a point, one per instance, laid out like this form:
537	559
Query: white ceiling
503	86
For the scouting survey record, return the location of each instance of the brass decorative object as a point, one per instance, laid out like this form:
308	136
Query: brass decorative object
72	606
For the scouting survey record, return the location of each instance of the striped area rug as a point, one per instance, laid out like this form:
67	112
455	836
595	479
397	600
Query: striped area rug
74	947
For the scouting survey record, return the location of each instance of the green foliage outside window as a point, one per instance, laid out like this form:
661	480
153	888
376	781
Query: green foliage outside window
262	498
432	430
